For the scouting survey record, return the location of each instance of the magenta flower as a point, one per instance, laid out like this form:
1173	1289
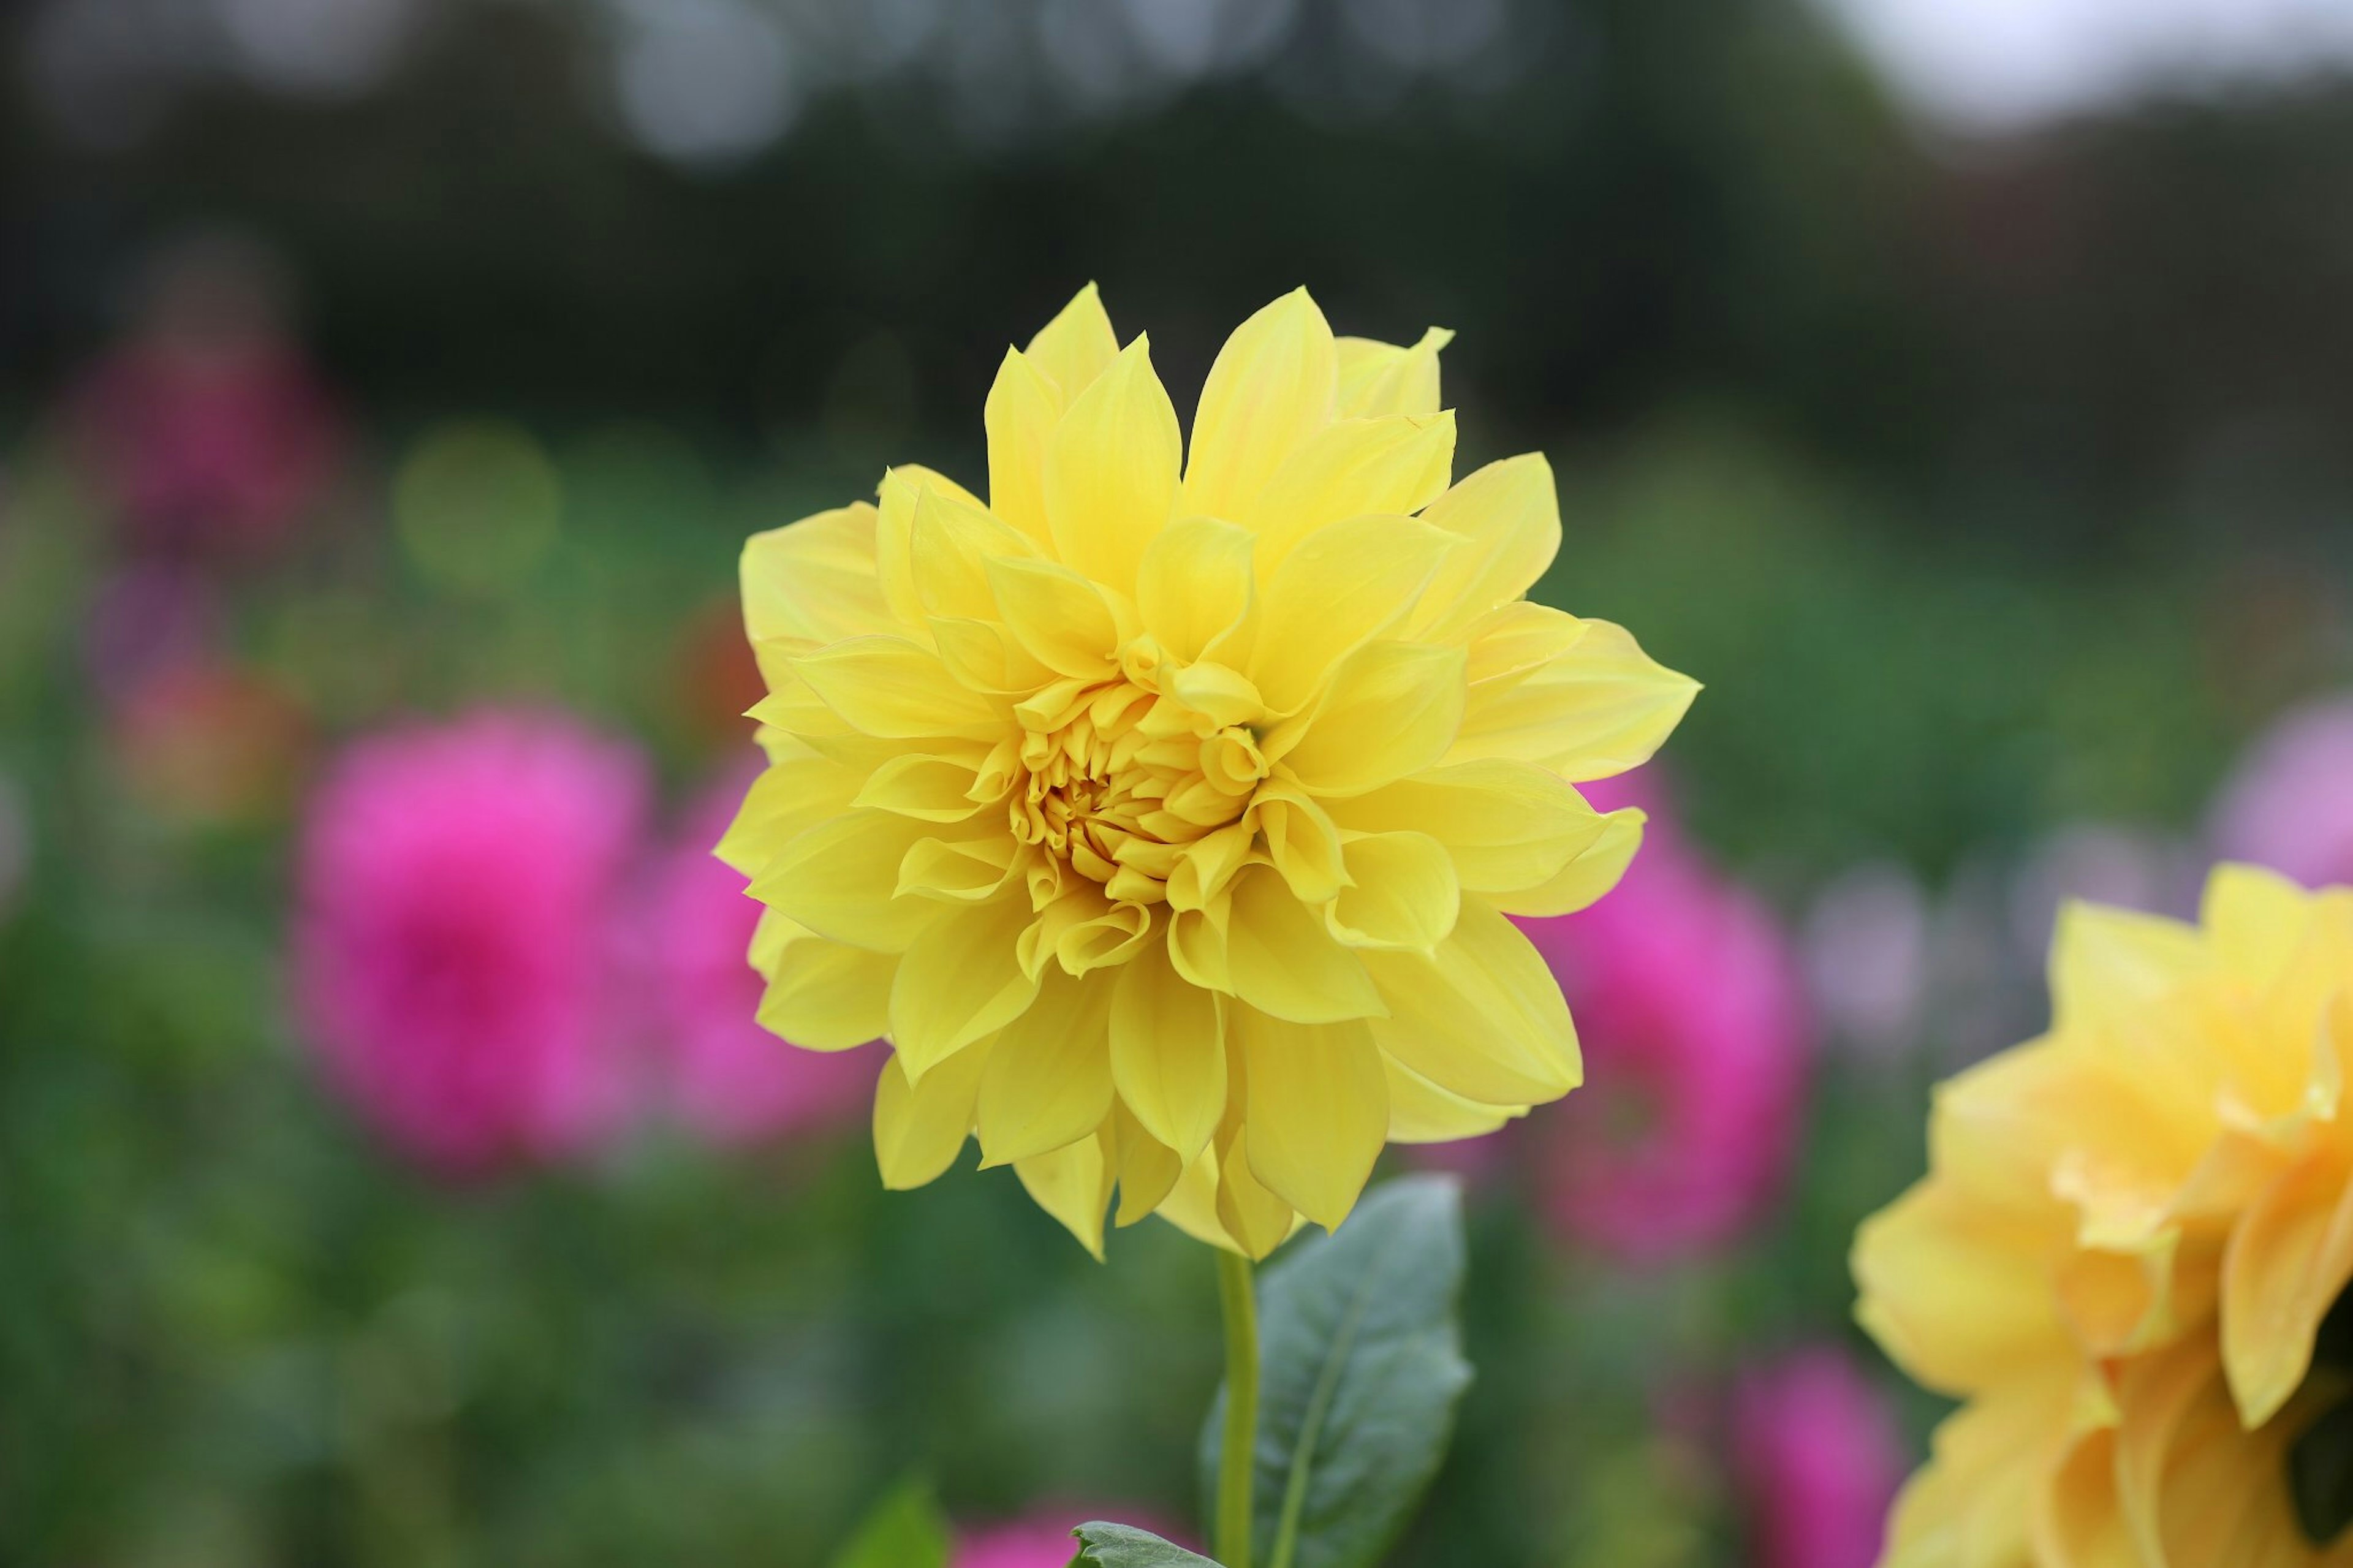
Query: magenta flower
1689	1006
1042	1540
1816	1460
728	1078
454	953
2289	804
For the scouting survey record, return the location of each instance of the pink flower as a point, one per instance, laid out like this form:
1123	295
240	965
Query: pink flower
1690	1009
1042	1540
454	951
2289	804
730	1079
1817	1459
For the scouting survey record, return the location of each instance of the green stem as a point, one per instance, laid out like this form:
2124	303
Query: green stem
1237	1458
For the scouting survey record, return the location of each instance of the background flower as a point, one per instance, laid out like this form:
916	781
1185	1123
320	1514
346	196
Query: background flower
1691	1013
1817	1455
2287	804
454	954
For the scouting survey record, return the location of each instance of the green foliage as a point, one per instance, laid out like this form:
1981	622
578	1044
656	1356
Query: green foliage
1361	1367
1123	1546
905	1531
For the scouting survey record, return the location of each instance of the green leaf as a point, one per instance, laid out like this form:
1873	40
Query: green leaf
1121	1546
903	1530
1362	1364
2320	1476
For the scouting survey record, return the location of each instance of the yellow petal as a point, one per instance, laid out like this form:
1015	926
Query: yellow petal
954	543
1073	1183
1395	465
1507	825
1401	893
920	784
1281	960
828	879
1024	405
1482	1018
791	797
1507	520
1191	1205
1967	1506
1196	583
894	537
821	996
1048	1080
1301	842
890	688
1111	471
1274	385
2105	962
2289	1260
1596	711
1379	378
1148	1169
1390	708
971	868
958	983
1077	345
920	1127
1592	872
1342	587
1318	1109
2255	919
1168	1053
1421	1112
1060	617
2075	1520
815	581
1955	1293
1249	1212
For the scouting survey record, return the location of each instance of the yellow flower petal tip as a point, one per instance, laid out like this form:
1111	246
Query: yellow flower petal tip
2129	1235
1164	809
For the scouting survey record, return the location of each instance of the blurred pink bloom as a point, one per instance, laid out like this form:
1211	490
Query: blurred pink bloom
2289	804
147	617
1691	1010
1817	1459
730	1079
1042	1540
454	951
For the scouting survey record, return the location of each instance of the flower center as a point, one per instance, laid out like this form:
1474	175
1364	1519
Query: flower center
1117	781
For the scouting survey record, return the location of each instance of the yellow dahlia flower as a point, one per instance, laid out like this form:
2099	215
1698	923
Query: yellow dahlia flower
1164	810
2129	1235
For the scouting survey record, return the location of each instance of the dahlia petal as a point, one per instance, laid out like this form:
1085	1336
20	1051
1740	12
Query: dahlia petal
1397	463
1282	962
960	982
1049	1078
821	996
1957	1296
1506	516
920	784
984	656
1058	615
1302	841
953	542
968	870
1249	1211
814	580
1274	385
1967	1506
1343	586
1168	1053
1073	1183
1390	708
2290	1256
2106	962
2253	919
1111	471
894	690
2074	1517
920	1128
1191	1205
1401	894
1481	1017
1318	1109
894	537
1507	825
827	878
791	796
1195	585
1148	1169
1598	710
1421	1112
1077	345
1023	407
1377	378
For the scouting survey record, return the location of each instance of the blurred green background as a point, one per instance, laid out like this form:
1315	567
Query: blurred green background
1995	473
